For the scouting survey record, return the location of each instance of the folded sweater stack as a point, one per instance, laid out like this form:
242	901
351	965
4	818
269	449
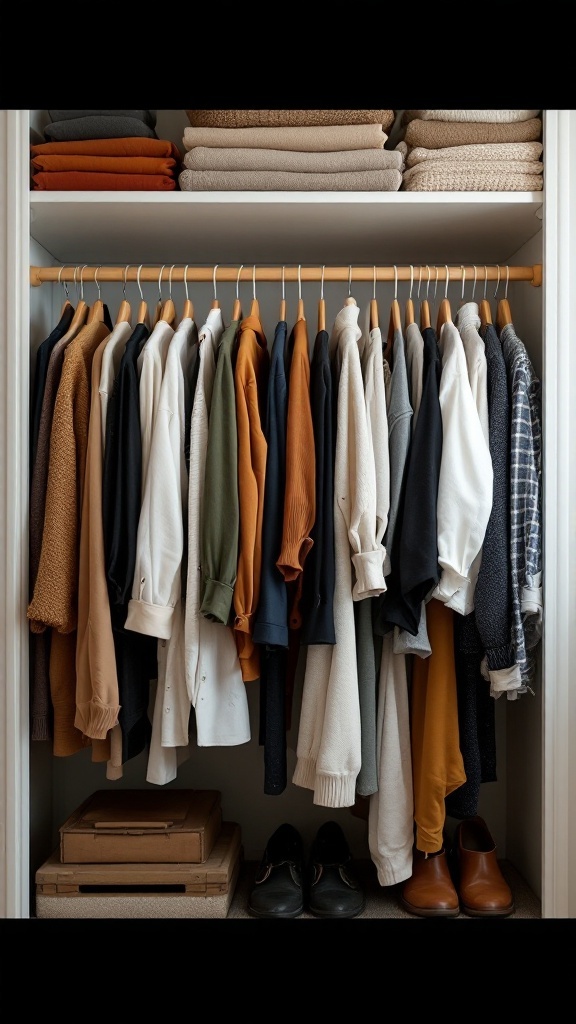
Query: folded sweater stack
472	151
104	150
289	150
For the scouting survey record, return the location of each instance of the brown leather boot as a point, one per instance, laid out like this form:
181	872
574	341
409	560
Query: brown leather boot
482	887
430	892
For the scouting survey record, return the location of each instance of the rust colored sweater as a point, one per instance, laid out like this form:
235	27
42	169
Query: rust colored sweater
250	380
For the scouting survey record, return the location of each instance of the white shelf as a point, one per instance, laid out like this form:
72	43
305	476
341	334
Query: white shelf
284	227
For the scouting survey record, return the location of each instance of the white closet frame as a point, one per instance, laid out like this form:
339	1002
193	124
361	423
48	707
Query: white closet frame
559	436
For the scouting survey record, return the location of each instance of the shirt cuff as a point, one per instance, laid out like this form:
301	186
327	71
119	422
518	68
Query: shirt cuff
505	680
531	599
152	619
450	583
217	601
369	566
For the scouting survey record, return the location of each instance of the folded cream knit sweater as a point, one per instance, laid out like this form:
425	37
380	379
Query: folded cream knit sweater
512	151
498	116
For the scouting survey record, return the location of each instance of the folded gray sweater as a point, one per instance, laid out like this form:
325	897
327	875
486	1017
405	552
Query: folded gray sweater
148	116
101	126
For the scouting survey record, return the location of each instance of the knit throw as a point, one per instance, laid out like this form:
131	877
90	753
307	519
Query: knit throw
496	116
441	176
323	139
513	151
290	181
437	134
205	158
286	118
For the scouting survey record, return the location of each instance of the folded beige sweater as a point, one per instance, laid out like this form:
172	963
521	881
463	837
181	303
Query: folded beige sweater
437	134
529	151
444	177
205	158
496	116
461	167
286	118
324	139
289	181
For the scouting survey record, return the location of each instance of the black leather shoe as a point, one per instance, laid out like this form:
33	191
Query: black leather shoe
278	888
335	890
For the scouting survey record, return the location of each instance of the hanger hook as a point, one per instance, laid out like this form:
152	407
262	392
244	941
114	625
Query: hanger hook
349	279
485	279
507	280
283	284
447	281
435	282
186	279
322	285
96	280
374	292
428	282
395	282
82	282
411	279
299	282
238	281
213	282
65	285
124	283
170	280
138	281
474	285
75	281
419	282
498	281
463	269
254	282
160	283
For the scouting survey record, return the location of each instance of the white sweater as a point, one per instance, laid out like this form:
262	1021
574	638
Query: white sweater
329	748
466	478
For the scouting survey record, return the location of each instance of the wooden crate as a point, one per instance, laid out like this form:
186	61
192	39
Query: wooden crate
143	890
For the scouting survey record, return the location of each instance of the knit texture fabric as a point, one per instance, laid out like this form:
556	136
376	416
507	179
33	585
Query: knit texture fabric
467	178
114	164
498	152
131	146
205	158
497	116
437	134
323	139
100	126
286	118
288	181
101	181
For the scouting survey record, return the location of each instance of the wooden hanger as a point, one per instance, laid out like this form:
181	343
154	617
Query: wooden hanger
374	320
168	309
395	321
125	311
97	310
143	316
503	313
300	314
237	308
81	312
409	316
445	312
321	307
66	302
425	320
485	311
255	305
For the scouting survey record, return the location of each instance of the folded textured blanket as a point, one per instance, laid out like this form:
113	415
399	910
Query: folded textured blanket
108	147
205	158
100	126
115	164
498	151
461	168
100	181
462	178
437	134
148	116
496	116
289	181
286	118
323	139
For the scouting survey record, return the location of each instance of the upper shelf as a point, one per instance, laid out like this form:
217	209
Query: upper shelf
284	227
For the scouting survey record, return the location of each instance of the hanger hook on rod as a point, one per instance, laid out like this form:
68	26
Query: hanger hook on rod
435	282
82	269
160	283
419	282
374	290
238	281
428	282
485	279
474	285
170	280
126	268
463	269
65	285
97	283
411	279
76	282
186	280
507	280
498	281
299	282
395	282
213	282
349	279
138	282
283	284
254	282
447	281
322	284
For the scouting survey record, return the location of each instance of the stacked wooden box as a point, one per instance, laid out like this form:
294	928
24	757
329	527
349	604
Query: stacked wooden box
142	853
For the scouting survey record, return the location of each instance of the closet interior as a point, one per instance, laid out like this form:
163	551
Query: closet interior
294	252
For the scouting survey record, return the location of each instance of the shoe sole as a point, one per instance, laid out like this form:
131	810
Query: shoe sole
271	916
429	912
320	913
488	913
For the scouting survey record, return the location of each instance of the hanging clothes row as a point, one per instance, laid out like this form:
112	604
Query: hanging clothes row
210	512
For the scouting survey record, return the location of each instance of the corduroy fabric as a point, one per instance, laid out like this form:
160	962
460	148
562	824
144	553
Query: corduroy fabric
286	118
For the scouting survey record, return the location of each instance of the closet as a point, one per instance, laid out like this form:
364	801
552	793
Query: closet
530	808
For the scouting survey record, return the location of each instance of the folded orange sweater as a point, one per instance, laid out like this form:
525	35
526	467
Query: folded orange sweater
137	146
100	181
115	164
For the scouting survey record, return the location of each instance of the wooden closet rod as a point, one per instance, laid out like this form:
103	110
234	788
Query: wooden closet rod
494	272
